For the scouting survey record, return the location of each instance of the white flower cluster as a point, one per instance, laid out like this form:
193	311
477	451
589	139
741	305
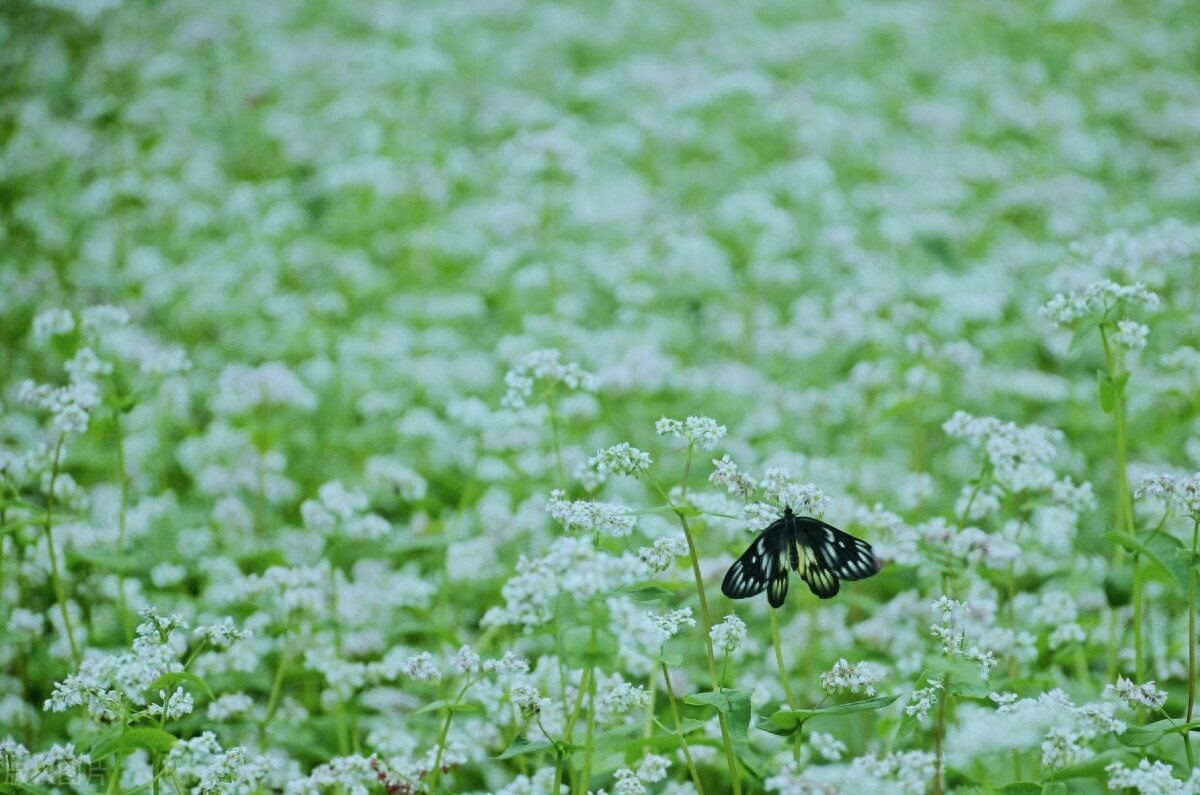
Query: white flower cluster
1151	778
341	511
701	432
620	459
953	639
1178	492
846	678
1143	696
543	365
726	476
70	406
1097	299
804	499
590	516
729	635
1017	455
242	390
662	555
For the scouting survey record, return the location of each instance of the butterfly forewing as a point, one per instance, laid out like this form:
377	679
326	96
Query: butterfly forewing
820	553
848	557
754	570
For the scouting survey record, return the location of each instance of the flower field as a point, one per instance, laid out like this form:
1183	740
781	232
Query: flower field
387	391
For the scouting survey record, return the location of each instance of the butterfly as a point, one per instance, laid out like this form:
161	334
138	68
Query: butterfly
819	552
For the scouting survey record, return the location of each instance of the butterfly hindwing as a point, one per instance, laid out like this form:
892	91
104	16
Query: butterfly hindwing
849	558
820	553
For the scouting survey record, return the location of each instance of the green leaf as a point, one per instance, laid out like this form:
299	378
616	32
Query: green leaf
1161	548
588	647
643	593
113	562
688	511
787	722
1021	788
1141	736
1054	788
156	741
1083	332
733	704
442	703
169	681
1094	766
1107	392
521	746
961	678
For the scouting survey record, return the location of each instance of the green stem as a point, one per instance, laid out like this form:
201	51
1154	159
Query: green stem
1124	497
55	578
277	684
683	744
783	675
938	738
552	404
586	777
727	740
441	746
122	523
1191	701
584	687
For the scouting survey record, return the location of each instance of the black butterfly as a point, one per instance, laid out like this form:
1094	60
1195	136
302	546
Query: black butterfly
820	553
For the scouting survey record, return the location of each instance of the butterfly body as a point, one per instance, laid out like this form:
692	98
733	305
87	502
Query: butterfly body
820	553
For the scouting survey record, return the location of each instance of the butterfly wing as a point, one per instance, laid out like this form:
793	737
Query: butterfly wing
847	557
762	567
821	579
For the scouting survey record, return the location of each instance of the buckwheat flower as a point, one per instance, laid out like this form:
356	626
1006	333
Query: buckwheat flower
726	476
165	361
509	663
1136	696
924	699
653	767
805	500
527	699
620	459
466	660
176	705
96	320
543	365
701	432
1130	335
624	697
59	764
1148	778
1175	491
85	365
626	782
242	389
52	323
230	706
420	668
223	635
389	472
662	555
672	621
729	635
827	746
70	406
222	772
844	677
1098	299
587	516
